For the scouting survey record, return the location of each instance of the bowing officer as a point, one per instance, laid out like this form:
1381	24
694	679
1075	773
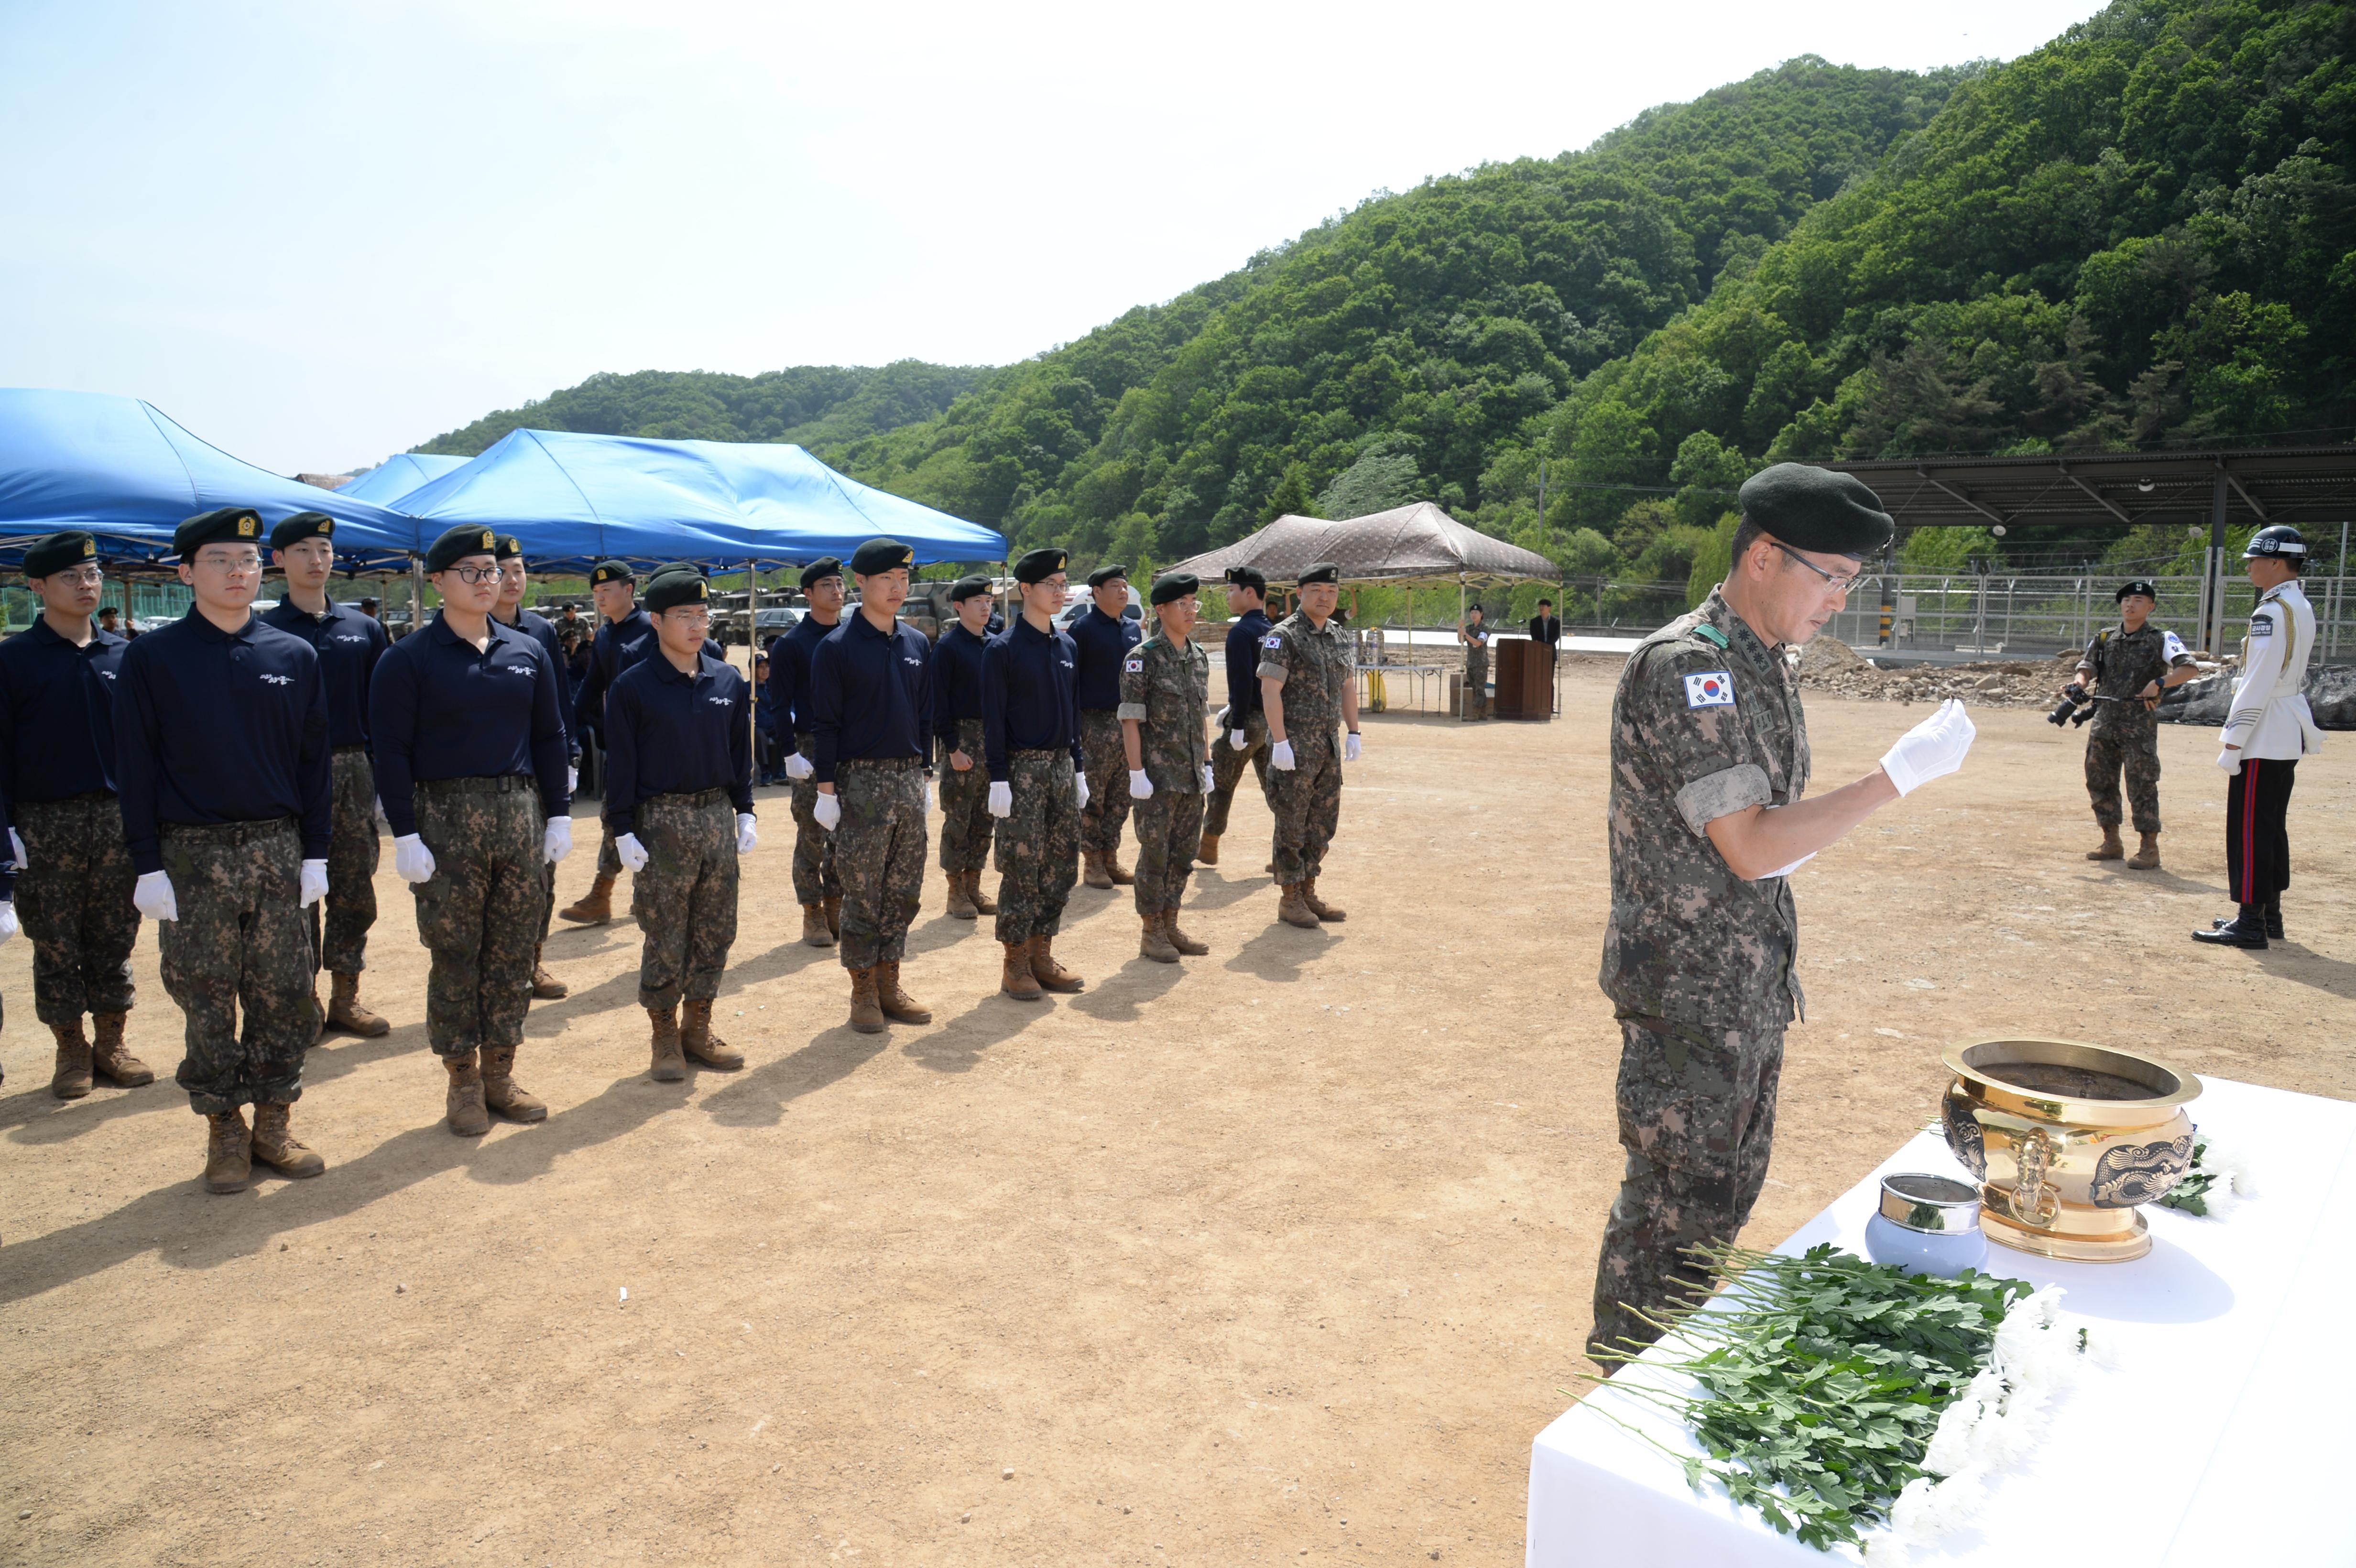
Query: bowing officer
816	886
514	578
1104	637
957	728
470	761
679	801
1031	724
222	758
1165	691
1308	688
56	773
1243	728
624	637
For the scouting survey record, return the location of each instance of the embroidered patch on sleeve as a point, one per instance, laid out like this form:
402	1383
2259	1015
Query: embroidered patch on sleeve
2262	626
1711	689
1134	666
1273	641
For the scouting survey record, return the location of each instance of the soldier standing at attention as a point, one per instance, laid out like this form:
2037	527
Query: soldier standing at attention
221	755
57	774
349	644
470	760
1031	716
679	799
871	706
2133	662
1241	724
1165	691
1475	634
1104	637
958	727
1308	690
514	578
1710	762
816	886
625	638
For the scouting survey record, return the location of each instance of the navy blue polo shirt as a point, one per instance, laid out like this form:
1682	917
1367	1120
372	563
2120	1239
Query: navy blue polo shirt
1029	687
789	671
542	630
1243	665
1103	641
618	645
957	683
56	714
669	733
218	727
442	710
870	696
349	642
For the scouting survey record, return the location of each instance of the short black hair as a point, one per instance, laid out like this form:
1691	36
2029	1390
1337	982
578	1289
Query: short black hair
1746	533
1546	603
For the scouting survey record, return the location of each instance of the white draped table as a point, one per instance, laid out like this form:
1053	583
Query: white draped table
2225	1436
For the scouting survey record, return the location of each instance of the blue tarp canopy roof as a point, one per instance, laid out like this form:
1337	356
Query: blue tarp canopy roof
121	469
398	476
577	499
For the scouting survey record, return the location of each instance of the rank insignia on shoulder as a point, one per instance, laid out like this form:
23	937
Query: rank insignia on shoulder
1711	689
1273	641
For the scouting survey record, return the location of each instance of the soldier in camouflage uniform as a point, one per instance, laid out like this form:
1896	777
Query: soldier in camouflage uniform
1031	737
2133	662
1243	728
1104	637
960	735
1308	688
1710	764
1165	686
1475	634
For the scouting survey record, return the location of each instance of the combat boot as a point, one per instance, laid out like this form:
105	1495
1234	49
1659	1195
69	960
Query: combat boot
345	1010
2247	929
834	917
815	933
273	1143
1318	906
229	1153
596	905
1290	909
669	1061
1092	870
545	986
1153	944
108	1056
2112	849
2269	915
696	1039
1207	852
960	904
897	1003
982	903
467	1115
866	1012
1015	978
1179	939
1046	971
70	1080
502	1093
1121	875
2146	857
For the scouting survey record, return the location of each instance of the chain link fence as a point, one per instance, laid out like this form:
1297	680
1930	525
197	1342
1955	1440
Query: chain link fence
1995	616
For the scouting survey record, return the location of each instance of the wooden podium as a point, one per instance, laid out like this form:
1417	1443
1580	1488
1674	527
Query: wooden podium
1524	677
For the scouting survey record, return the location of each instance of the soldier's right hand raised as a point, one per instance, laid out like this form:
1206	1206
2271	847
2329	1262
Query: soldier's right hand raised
152	893
1933	749
412	860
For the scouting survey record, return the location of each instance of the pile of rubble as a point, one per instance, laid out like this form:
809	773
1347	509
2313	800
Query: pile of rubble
1831	666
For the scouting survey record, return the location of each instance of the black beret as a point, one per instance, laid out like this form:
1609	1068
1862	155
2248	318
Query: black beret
1816	508
510	548
611	571
1107	572
367	599
1251	577
678	583
222	525
2146	588
301	525
881	554
819	571
1038	565
1324	572
55	553
1172	586
456	544
965	588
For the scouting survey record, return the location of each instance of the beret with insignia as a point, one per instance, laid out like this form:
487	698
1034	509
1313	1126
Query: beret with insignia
819	571
456	544
1324	572
965	588
1038	565
881	554
1817	510
510	548
2146	588
1251	577
611	571
222	525
678	583
1107	572
301	525
1173	586
58	552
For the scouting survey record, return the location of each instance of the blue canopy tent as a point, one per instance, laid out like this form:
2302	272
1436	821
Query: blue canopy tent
399	474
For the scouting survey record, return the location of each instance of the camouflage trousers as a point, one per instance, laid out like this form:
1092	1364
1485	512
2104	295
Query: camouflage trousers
73	898
1476	683
341	935
240	943
1107	767
965	822
685	896
1306	801
1227	771
879	854
1038	845
814	877
2138	757
479	914
1698	1118
1169	831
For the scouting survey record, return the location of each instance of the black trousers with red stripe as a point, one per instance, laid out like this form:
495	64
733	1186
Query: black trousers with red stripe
2257	841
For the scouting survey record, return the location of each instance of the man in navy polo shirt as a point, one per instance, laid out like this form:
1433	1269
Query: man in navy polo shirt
514	578
1104	637
624	637
1031	720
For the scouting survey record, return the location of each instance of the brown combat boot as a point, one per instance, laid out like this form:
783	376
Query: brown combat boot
229	1162
1046	971
834	917
960	901
669	1061
546	986
1292	910
2112	849
273	1143
596	905
1153	944
467	1115
815	933
70	1080
1121	875
2147	856
696	1039
866	1011
108	1056
1318	906
1179	939
346	1011
897	1003
1092	870
982	903
502	1093
1015	978
1207	852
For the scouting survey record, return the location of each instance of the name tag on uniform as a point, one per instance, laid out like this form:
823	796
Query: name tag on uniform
2262	626
1711	688
1134	666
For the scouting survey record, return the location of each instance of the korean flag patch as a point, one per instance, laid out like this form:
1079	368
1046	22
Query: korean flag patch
1273	641
1711	688
1134	666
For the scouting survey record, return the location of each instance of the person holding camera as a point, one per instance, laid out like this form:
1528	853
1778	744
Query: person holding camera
2125	669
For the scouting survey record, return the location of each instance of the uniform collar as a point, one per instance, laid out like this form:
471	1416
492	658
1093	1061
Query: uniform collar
867	627
442	632
1717	614
205	628
671	673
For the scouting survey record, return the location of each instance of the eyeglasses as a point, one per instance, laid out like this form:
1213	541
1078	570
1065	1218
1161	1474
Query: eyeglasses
84	576
1836	585
474	574
688	617
231	564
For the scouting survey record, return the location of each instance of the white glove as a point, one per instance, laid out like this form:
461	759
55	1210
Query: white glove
7	919
1140	786
1350	747
557	842
1933	749
1787	871
797	765
315	884
1219	720
412	860
1239	740
632	854
1210	779
1002	799
2229	758
928	800
571	781
829	811
152	895
381	818
1081	780
16	845
1280	756
748	835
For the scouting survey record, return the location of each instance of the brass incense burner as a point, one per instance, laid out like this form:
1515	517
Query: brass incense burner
2066	1140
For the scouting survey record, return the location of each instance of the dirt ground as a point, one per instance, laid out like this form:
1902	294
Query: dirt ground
1281	1256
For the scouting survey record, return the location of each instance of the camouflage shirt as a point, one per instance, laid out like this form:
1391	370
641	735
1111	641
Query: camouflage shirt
1166	687
1314	668
1705	722
2122	664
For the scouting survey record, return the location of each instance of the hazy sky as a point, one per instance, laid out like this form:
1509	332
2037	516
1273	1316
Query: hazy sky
320	233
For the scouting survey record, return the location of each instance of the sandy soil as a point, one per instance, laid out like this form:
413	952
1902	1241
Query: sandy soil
1282	1257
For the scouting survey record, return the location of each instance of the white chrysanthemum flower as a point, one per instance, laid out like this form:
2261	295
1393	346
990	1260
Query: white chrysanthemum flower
1950	1449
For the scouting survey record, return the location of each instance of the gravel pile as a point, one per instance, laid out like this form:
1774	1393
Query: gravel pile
1831	666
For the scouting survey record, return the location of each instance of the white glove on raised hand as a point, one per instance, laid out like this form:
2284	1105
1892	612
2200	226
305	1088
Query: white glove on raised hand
152	896
315	884
1238	739
1140	786
829	811
7	919
412	860
631	853
2229	758
1210	778
1280	756
557	842
1002	799
1933	749
798	766
1081	780
748	833
1350	747
17	848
